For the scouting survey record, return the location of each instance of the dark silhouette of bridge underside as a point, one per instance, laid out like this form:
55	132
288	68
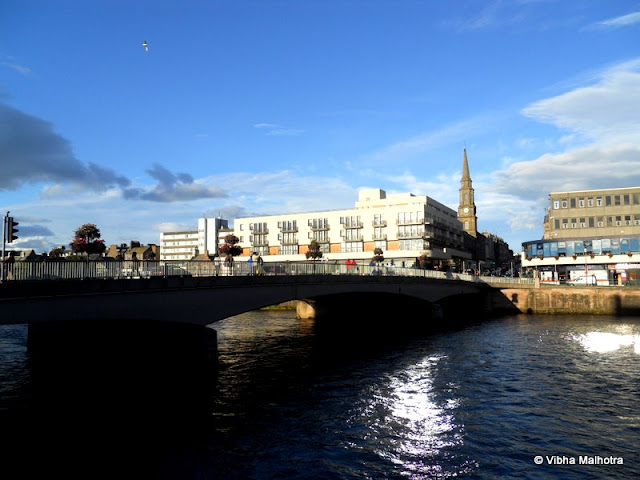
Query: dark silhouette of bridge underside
205	300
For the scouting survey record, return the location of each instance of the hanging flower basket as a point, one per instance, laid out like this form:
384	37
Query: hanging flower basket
610	254
629	254
574	257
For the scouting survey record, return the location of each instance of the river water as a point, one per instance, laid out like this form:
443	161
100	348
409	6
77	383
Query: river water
516	397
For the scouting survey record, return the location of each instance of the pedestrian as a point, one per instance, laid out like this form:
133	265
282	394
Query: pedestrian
250	263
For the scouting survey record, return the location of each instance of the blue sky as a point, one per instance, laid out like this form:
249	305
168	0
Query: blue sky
273	106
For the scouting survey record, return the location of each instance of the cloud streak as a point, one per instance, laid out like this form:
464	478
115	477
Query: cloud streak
619	22
606	112
273	129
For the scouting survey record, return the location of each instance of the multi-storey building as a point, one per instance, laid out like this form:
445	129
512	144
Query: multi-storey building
187	244
405	226
594	213
588	230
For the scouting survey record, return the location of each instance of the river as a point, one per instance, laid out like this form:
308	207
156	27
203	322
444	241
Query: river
516	397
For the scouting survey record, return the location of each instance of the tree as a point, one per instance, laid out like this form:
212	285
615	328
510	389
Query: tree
314	252
425	262
230	247
57	252
87	240
378	257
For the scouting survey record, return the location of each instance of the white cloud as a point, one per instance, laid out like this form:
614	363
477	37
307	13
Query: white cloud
606	112
424	142
21	69
584	168
273	129
619	22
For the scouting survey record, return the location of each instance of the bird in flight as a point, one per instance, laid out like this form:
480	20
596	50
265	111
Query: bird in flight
146	46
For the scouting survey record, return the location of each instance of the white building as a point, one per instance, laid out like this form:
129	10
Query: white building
405	226
187	244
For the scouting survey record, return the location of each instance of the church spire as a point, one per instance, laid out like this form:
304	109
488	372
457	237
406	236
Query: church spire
465	168
467	206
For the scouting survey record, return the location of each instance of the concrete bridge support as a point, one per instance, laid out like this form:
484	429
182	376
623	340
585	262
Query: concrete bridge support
140	368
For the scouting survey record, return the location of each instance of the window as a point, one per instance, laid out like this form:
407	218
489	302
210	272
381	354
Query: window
288	250
607	200
556	204
350	247
590	202
564	204
573	202
380	244
599	201
616	200
581	202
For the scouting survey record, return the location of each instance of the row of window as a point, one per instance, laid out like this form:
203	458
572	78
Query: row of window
567	248
598	201
599	221
346	247
322	236
353	221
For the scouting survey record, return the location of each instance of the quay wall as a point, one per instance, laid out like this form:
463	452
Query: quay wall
566	300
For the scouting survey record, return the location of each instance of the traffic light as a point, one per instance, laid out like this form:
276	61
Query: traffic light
11	230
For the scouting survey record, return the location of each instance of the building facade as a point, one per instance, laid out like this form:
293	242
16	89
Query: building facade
588	232
187	244
405	226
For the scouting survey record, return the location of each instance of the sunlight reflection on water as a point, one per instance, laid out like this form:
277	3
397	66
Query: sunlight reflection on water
603	342
412	425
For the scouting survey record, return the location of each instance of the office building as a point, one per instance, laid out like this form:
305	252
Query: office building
590	232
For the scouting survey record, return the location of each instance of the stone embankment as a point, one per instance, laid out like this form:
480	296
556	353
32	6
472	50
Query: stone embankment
567	300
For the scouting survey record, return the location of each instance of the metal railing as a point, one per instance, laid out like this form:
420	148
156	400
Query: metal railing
67	270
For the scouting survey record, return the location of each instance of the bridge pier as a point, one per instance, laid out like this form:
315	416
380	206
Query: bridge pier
131	366
305	310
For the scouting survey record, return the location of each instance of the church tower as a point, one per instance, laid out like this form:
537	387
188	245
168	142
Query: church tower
467	206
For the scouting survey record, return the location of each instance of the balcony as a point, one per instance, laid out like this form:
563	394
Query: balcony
412	221
319	228
352	238
289	229
379	223
352	225
379	236
259	231
413	235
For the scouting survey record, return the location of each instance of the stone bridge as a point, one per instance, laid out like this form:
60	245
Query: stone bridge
205	300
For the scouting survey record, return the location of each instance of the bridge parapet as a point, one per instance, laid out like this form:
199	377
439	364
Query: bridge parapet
127	270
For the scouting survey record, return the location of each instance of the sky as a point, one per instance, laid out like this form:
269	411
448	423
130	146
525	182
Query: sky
257	107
